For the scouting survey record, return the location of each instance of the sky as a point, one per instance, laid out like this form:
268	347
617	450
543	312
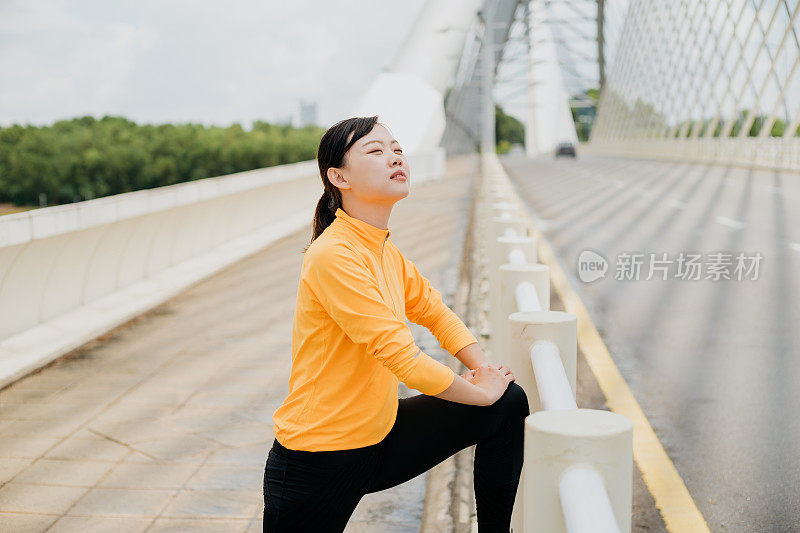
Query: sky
181	61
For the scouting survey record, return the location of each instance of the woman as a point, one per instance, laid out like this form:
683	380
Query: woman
342	432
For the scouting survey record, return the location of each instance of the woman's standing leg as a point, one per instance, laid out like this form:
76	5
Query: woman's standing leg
428	430
314	492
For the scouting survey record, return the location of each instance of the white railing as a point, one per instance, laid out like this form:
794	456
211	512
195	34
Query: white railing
585	502
551	378
526	297
580	458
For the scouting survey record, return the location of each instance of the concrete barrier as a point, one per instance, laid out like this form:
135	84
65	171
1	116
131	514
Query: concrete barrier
577	473
69	273
772	153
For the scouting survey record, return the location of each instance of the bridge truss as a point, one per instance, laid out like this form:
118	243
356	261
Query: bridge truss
710	80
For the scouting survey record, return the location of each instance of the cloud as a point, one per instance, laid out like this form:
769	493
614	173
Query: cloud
23	17
59	66
177	61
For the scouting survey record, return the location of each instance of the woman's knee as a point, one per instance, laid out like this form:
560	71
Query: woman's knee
515	400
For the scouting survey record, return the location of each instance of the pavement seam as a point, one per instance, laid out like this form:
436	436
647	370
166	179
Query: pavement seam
126	445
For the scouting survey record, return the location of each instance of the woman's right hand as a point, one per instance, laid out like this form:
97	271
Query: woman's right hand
491	379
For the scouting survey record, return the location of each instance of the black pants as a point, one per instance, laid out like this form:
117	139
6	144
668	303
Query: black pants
318	491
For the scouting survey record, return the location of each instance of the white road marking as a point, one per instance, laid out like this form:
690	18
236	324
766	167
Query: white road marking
678	204
772	188
795	246
731	223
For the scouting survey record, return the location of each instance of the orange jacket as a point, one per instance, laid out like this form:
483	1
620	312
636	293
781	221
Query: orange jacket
350	342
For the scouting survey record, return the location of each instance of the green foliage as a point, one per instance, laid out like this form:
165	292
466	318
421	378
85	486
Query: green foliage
582	115
758	122
85	158
508	129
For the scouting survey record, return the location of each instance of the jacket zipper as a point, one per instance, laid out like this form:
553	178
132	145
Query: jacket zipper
383	273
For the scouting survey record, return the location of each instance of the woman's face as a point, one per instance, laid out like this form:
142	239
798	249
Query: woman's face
369	166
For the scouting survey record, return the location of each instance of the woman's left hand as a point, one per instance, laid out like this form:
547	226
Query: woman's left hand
469	375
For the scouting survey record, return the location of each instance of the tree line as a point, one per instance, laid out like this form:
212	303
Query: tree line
507	130
85	157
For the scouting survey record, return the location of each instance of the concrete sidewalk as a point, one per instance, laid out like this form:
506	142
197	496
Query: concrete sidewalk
164	424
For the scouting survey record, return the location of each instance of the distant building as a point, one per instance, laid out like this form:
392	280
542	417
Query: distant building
308	113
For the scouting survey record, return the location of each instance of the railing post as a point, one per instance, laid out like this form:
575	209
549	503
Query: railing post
511	276
499	225
558	441
504	244
525	329
522	330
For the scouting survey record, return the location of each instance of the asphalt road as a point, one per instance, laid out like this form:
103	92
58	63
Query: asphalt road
714	362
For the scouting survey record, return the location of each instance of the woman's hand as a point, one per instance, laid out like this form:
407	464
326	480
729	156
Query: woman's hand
482	385
491	379
470	374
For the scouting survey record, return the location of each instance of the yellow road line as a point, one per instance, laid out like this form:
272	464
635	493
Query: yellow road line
673	500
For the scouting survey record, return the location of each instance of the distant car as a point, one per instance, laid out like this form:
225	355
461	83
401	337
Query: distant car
564	149
516	149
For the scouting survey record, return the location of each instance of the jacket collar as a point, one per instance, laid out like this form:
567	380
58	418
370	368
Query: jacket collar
370	236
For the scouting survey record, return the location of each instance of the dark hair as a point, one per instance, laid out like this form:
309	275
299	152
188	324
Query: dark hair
333	147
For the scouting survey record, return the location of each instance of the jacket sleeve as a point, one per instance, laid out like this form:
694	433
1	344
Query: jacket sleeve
424	306
348	291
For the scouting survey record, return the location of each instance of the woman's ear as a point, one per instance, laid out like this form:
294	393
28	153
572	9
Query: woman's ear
337	178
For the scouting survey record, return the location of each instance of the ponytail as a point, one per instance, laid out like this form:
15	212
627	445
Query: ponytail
325	213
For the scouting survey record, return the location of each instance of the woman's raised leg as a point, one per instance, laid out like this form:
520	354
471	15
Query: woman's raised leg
428	430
